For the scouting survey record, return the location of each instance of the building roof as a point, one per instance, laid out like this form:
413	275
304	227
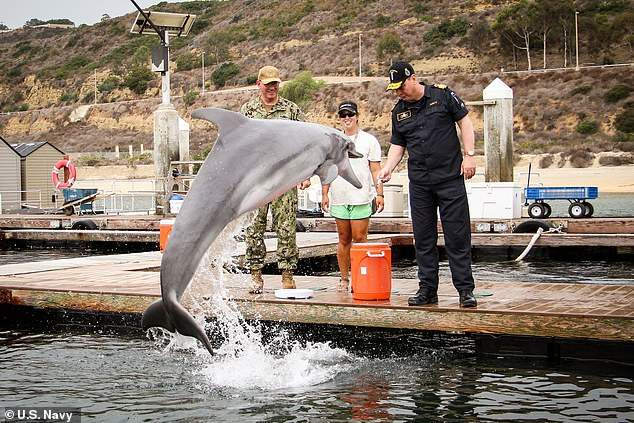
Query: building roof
26	148
8	145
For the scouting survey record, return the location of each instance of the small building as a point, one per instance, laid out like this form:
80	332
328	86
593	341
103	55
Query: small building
10	177
37	161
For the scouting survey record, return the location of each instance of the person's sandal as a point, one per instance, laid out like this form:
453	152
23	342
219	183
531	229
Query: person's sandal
343	285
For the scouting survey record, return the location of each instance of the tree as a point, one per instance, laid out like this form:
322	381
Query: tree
137	79
225	72
3	27
34	22
389	44
301	88
479	32
515	25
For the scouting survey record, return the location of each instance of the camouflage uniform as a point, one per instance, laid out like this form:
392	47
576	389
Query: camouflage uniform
284	208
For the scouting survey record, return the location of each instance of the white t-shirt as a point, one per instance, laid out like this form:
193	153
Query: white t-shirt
341	191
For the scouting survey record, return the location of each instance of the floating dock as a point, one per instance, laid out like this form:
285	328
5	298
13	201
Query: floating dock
129	283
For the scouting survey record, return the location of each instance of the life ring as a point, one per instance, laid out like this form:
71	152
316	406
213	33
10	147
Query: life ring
72	174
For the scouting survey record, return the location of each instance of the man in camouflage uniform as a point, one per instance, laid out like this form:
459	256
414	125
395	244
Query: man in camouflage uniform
269	105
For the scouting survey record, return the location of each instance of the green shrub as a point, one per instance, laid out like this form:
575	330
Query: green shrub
582	89
70	97
190	97
624	122
587	127
389	44
301	88
617	92
109	84
137	79
23	107
225	72
446	30
15	72
382	21
91	160
73	65
187	61
140	159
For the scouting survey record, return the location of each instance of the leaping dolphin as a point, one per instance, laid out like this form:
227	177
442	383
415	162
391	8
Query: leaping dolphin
253	162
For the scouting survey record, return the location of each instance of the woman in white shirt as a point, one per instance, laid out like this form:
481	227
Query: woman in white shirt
352	207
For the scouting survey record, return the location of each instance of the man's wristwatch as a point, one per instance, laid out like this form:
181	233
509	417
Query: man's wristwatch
469	153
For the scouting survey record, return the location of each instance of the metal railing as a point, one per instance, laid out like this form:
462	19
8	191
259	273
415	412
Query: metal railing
19	203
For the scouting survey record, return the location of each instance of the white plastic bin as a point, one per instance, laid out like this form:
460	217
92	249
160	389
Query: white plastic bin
494	200
393	194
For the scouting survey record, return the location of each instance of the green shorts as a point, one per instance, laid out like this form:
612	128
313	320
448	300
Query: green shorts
351	212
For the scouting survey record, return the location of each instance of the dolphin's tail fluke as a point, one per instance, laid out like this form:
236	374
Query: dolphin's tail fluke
179	320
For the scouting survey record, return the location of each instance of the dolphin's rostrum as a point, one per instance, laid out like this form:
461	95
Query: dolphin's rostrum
253	162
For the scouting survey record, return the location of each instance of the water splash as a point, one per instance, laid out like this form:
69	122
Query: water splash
244	360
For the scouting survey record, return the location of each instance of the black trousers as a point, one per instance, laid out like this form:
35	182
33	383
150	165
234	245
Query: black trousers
451	199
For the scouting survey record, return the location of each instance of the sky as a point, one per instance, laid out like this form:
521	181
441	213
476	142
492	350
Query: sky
14	13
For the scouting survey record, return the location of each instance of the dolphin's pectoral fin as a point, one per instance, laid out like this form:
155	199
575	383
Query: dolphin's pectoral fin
327	172
346	172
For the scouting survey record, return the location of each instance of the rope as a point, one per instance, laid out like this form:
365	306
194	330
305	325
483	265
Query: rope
534	240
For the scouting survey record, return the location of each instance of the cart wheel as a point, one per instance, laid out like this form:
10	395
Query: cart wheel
536	211
576	210
589	209
547	210
69	211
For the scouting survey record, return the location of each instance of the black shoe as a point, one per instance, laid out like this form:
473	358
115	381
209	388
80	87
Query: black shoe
467	299
422	297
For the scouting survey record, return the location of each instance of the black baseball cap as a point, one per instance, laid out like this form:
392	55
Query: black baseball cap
399	72
348	106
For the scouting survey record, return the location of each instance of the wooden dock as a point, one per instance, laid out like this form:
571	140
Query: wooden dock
129	283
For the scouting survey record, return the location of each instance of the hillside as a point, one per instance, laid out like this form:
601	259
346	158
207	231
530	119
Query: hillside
462	44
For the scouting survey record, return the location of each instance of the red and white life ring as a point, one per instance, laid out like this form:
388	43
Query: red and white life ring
72	174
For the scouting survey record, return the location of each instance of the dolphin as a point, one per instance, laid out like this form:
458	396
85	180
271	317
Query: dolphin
253	162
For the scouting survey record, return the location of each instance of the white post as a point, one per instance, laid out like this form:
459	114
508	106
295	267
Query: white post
203	60
577	40
498	132
359	54
130	151
95	99
141	148
165	86
116	151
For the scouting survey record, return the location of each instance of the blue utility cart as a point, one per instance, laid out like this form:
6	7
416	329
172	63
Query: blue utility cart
577	196
78	200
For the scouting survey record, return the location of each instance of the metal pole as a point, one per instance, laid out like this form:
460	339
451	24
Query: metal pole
95	99
359	54
165	86
577	40
203	58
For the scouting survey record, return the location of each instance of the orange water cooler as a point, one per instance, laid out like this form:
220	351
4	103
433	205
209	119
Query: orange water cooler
165	226
371	271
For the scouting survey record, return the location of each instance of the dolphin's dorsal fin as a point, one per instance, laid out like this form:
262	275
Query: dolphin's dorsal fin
226	120
327	172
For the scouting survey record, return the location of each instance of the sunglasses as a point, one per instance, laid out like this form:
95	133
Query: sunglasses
346	114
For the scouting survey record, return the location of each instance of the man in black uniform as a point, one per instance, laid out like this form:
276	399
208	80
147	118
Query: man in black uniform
424	122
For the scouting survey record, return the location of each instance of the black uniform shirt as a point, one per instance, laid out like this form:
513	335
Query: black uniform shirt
427	129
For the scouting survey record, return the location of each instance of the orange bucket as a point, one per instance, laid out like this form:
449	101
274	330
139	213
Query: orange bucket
371	271
165	226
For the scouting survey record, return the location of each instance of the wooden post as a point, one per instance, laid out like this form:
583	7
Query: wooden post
498	132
